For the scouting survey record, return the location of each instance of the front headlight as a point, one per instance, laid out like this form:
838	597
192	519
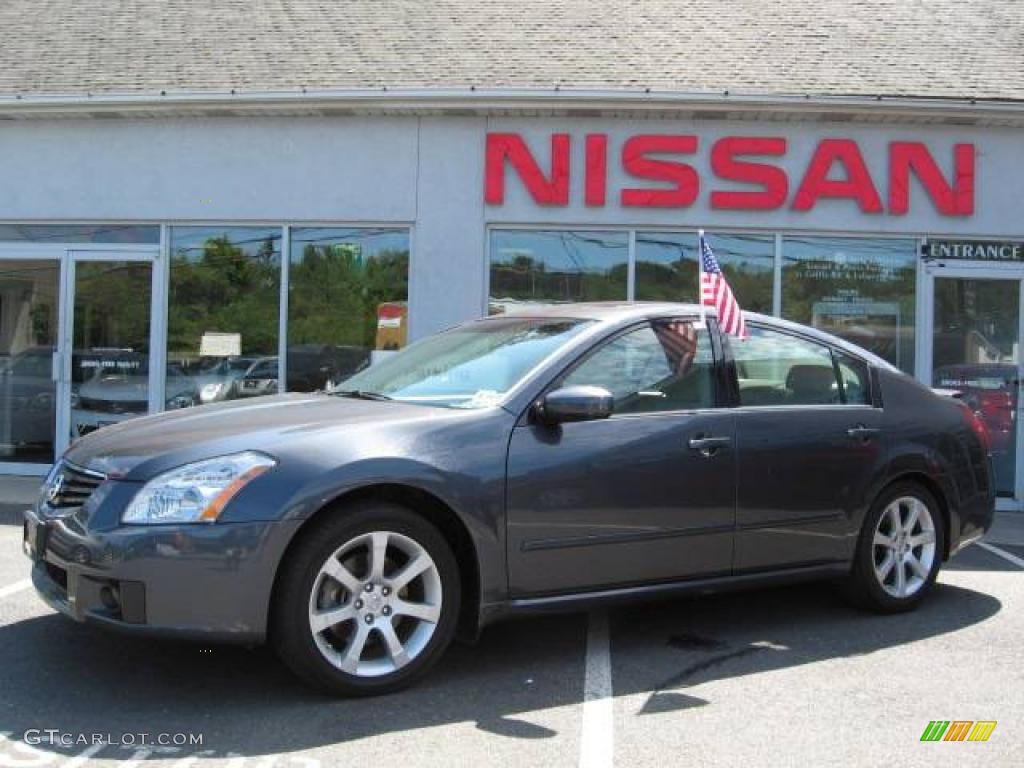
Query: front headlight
195	493
211	391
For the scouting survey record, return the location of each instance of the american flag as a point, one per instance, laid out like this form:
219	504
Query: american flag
715	292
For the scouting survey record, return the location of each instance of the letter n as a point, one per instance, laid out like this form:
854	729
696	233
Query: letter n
545	190
906	157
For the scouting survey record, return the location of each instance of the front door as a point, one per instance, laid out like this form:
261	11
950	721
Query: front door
647	495
976	349
106	343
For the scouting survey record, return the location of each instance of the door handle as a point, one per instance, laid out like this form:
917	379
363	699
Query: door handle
708	446
860	432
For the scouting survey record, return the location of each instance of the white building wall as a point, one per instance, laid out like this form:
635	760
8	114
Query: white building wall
428	173
219	169
448	265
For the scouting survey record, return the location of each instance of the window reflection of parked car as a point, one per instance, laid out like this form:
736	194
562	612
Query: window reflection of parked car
119	390
260	379
315	367
216	378
990	390
27	394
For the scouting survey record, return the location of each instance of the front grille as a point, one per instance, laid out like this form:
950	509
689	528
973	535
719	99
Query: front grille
70	487
113	406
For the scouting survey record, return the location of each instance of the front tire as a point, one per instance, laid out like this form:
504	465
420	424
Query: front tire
899	551
367	601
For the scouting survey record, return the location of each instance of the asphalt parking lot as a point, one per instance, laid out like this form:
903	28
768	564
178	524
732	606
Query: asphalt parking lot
788	676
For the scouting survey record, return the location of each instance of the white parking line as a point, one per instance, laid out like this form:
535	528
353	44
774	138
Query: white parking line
13	589
1007	556
596	742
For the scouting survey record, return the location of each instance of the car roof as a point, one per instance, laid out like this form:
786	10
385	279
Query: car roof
624	312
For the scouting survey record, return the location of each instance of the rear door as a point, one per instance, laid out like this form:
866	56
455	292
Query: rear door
647	495
809	445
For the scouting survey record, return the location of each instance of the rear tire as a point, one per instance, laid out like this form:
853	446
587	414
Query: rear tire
367	600
899	551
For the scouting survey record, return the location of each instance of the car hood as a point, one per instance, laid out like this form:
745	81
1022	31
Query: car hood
140	448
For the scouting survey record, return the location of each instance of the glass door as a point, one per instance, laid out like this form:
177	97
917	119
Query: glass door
976	350
107	342
29	326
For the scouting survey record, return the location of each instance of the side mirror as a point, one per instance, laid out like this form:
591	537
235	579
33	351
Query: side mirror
575	404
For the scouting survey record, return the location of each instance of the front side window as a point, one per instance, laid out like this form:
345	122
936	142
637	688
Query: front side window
471	366
665	365
778	369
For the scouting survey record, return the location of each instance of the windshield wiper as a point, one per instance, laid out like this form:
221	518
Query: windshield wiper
359	394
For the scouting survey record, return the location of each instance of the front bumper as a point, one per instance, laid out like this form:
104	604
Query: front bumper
210	581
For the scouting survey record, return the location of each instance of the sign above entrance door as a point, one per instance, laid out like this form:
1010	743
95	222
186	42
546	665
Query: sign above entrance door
974	250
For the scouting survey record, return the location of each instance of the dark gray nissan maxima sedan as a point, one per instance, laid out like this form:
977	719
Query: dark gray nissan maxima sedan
545	460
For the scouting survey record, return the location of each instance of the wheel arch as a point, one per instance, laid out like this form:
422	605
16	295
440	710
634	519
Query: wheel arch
425	504
938	493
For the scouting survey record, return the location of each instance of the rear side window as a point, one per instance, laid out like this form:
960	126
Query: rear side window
854	375
778	369
665	365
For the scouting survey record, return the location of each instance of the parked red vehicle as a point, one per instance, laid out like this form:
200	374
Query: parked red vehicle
990	390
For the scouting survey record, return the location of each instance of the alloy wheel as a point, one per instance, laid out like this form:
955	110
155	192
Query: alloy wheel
903	548
375	604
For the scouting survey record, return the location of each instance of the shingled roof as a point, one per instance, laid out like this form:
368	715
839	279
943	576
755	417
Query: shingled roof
911	48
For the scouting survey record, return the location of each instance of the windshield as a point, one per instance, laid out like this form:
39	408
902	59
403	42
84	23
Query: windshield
471	366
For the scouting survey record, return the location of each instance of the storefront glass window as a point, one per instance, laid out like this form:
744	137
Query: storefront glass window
222	317
548	266
28	337
347	302
81	233
857	288
110	357
666	267
976	351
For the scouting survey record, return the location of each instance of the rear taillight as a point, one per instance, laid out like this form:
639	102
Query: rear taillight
977	426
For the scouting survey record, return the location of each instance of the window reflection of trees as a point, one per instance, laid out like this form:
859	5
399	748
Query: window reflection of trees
666	267
225	280
571	265
337	281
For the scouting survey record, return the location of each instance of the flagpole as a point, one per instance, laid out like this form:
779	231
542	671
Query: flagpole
700	278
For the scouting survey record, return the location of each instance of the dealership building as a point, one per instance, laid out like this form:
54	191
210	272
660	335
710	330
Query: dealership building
198	204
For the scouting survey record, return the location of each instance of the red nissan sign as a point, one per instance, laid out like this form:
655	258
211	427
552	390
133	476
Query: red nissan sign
836	170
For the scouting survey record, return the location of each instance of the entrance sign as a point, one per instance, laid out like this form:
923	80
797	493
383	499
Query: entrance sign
975	250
